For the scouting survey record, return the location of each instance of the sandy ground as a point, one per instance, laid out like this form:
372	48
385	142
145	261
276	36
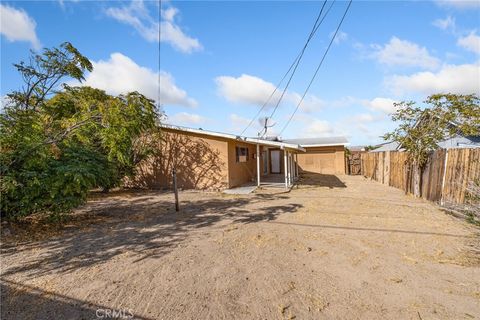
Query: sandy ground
345	249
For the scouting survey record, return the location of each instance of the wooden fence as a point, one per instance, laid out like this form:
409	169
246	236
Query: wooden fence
444	178
354	164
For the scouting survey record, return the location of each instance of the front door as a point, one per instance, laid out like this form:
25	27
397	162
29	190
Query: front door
275	161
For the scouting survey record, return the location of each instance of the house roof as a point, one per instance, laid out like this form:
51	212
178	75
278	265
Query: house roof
281	144
319	142
457	141
387	146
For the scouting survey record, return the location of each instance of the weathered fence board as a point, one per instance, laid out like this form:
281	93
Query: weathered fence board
398	170
433	176
444	179
462	167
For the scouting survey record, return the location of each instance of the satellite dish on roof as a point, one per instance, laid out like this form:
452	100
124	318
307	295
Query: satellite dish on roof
266	123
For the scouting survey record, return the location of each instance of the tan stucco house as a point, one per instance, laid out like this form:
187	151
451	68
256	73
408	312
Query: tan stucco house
213	160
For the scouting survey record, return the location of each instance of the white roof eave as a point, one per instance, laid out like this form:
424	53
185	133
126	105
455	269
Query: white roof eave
282	145
325	145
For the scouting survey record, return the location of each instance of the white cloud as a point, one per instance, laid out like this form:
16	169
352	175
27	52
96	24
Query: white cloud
460	79
399	52
470	42
310	103
343	102
384	105
255	91
378	104
317	128
238	123
169	13
363	122
170	94
138	16
341	37
17	25
4	101
120	74
62	2
172	34
445	24
363	118
187	119
246	89
459	4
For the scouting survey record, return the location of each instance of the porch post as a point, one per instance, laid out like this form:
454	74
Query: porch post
258	165
292	173
293	167
285	169
296	164
290	178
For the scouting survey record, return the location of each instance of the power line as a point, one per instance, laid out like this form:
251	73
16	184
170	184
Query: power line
159	106
315	28
312	32
318	68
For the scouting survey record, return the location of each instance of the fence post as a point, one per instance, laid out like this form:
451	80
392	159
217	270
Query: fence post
175	190
442	198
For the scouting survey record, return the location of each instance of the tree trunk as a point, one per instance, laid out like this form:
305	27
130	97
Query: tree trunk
416	180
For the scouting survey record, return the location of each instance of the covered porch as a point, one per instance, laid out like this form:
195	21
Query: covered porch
277	165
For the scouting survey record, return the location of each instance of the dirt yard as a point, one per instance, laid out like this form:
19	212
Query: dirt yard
347	248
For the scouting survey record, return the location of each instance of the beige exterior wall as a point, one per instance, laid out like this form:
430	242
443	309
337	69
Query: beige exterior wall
324	160
207	162
201	162
242	172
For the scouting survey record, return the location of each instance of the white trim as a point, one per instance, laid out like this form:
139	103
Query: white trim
258	165
296	166
200	131
282	145
325	145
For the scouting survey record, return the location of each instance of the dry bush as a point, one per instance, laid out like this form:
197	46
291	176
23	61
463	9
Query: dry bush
471	208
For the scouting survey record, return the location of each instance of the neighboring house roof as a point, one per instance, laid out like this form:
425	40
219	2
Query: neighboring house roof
280	144
460	141
387	146
319	142
356	148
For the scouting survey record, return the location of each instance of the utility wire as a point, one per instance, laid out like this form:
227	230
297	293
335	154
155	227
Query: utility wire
159	106
312	32
318	68
297	64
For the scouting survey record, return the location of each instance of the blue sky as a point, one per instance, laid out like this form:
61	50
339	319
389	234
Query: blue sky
220	60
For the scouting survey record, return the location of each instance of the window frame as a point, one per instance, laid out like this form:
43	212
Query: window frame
241	152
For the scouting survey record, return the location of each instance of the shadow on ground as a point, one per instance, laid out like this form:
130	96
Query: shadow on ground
144	225
313	179
48	305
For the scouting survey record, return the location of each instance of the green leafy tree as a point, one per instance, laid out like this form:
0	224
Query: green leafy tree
58	142
420	130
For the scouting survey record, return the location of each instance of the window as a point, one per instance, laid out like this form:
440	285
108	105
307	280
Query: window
241	154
